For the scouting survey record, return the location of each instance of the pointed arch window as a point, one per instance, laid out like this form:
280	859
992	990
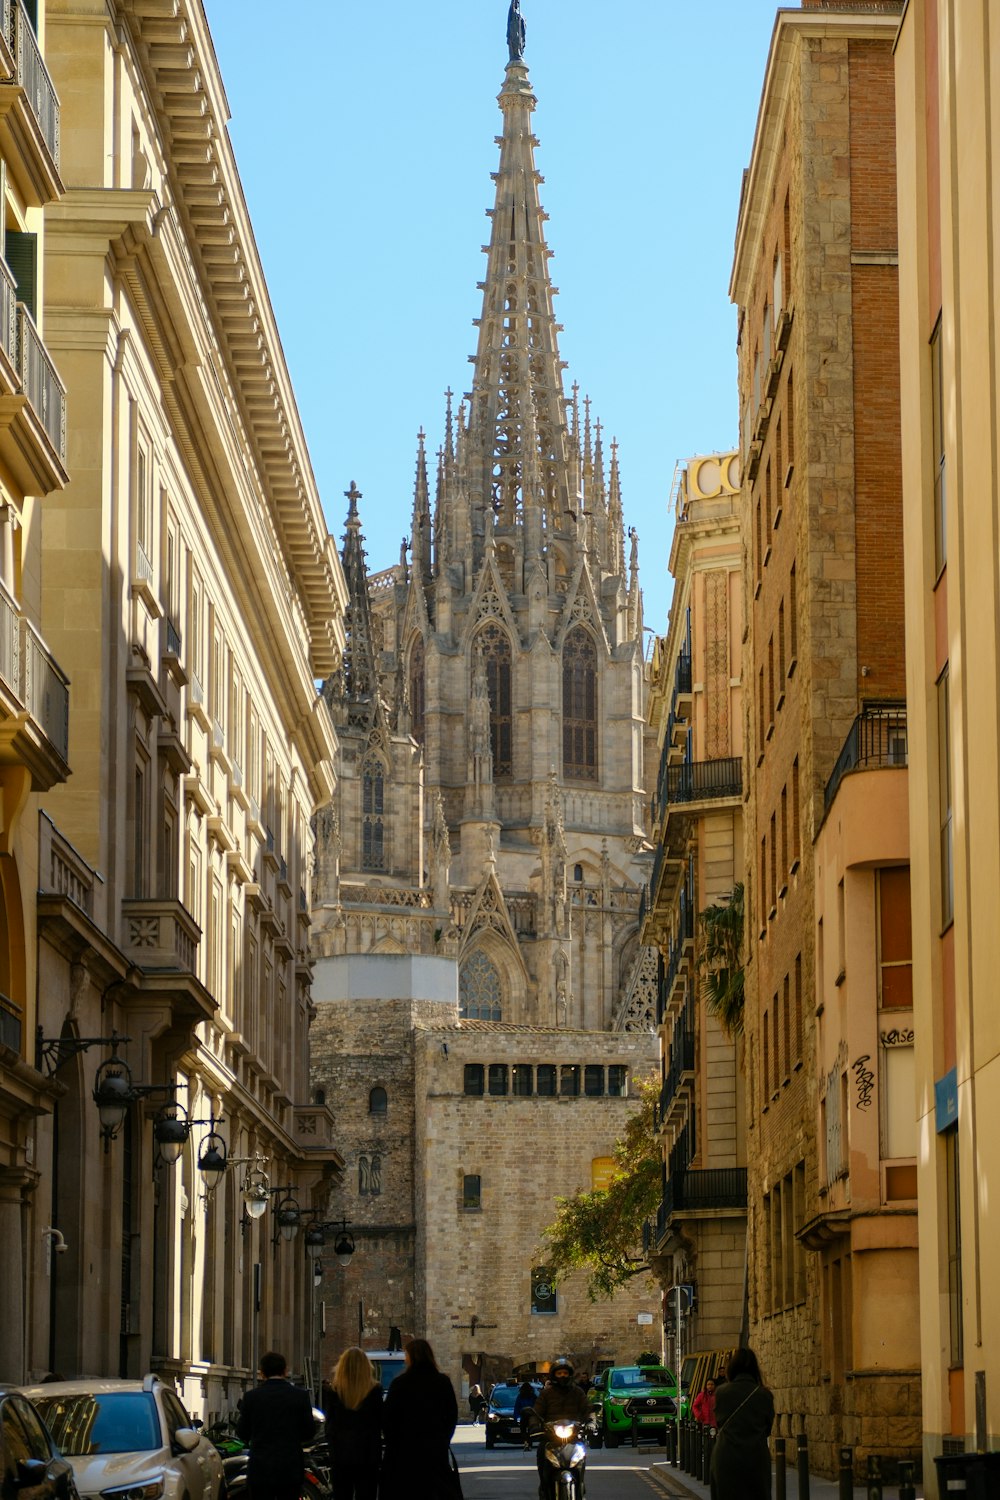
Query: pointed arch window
480	993
494	643
372	814
417	689
580	706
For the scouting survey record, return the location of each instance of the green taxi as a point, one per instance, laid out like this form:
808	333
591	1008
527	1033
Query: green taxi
633	1402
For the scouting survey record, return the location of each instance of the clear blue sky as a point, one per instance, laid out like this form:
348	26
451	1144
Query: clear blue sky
364	135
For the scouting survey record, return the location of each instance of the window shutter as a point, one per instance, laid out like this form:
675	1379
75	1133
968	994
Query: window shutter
22	258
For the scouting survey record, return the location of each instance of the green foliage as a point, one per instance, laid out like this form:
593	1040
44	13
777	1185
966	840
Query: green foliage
722	961
600	1232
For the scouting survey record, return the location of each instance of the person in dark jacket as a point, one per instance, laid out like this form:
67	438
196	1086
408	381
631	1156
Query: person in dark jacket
524	1403
275	1421
744	1415
352	1405
418	1420
561	1401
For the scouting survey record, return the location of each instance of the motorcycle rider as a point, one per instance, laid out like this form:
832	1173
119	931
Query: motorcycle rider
561	1401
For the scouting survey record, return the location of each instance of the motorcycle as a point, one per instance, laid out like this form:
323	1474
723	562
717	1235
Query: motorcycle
315	1478
565	1457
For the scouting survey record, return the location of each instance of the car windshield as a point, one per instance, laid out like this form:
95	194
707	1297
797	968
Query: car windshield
105	1422
641	1379
503	1397
387	1370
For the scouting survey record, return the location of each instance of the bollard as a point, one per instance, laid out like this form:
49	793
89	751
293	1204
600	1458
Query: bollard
780	1477
709	1445
874	1480
802	1458
846	1474
907	1488
682	1444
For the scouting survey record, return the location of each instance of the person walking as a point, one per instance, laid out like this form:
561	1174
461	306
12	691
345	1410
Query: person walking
744	1416
703	1405
477	1404
524	1402
418	1421
275	1421
352	1405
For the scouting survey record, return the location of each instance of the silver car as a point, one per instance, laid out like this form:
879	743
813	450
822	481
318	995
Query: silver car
128	1440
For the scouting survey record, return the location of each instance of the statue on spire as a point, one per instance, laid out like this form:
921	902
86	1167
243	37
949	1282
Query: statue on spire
515	31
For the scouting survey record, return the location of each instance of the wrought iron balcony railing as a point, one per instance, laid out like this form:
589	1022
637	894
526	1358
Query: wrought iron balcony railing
681	1062
693	1191
704	780
33	675
876	740
33	75
40	381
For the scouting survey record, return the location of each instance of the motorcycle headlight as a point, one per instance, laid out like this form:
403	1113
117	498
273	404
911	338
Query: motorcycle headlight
139	1489
563	1431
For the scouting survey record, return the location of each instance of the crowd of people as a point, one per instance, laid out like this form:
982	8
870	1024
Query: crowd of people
397	1443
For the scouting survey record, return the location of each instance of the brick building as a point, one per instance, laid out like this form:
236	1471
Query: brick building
832	1294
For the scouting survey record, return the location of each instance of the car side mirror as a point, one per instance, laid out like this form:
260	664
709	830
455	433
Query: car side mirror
31	1472
186	1439
196	1423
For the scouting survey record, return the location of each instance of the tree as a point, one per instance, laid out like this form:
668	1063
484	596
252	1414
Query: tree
722	961
601	1231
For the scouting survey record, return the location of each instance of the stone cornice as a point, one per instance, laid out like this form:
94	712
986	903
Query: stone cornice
173	48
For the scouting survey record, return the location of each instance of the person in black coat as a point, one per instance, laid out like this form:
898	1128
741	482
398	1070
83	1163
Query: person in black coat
744	1416
275	1421
418	1420
352	1404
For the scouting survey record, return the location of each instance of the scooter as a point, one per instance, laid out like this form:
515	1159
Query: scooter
565	1458
315	1478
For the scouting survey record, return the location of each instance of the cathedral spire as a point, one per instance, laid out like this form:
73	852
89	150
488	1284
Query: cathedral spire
420	535
360	677
616	525
517	368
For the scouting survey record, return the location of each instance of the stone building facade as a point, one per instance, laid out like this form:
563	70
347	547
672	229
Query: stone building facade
491	813
695	711
832	1221
185	580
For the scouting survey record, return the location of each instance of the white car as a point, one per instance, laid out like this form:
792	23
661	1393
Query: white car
128	1440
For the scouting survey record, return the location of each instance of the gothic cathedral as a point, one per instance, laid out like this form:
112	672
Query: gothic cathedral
481	992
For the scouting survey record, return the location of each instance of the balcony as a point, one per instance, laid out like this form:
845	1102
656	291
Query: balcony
681	1068
29	111
704	780
876	741
717	1188
10	1025
34	700
160	935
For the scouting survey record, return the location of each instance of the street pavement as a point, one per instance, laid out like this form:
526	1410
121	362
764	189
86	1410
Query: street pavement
508	1473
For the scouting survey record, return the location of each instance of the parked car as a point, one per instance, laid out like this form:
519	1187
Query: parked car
30	1463
129	1440
501	1424
387	1364
647	1393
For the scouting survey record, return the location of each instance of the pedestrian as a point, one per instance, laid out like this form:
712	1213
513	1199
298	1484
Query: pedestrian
561	1401
477	1403
418	1421
703	1405
353	1409
744	1416
275	1420
524	1403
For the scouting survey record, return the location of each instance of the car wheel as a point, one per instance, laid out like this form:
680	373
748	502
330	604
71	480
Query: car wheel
611	1440
596	1440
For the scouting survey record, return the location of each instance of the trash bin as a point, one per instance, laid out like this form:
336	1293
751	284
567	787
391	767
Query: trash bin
968	1476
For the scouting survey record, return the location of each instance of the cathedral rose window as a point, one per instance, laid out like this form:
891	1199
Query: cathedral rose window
480	996
580	706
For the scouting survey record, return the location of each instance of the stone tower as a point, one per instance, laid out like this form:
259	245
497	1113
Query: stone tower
490	827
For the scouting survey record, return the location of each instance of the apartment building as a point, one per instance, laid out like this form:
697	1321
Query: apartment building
190	592
699	1239
34	693
947	58
832	1283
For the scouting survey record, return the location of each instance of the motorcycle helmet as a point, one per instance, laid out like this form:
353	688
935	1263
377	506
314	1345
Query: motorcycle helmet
561	1368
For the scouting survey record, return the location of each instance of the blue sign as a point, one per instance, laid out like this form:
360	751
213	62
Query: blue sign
946	1101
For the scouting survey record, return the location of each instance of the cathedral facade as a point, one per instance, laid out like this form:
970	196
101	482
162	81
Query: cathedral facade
485	1011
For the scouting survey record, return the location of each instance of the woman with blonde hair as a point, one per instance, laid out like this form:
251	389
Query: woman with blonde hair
353	1409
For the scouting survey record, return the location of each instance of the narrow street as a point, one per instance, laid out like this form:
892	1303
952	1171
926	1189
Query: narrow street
508	1473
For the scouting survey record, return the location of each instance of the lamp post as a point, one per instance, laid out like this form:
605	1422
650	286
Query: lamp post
316	1235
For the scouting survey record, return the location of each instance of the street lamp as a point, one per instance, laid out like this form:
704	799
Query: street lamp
212	1160
287	1217
113	1093
256	1190
171	1129
316	1233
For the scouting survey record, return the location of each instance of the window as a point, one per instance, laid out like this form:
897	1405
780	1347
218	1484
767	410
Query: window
593	1081
784	840
417	690
578	874
789	425
545	1080
569	1080
616	1080
522	1080
378	1102
143	513
786	1020
472	1192
895	947
139	826
493	642
21	255
937	416
580	706
768	510
498	1080
793	623
944	801
474	1080
480	997
796	845
543	1291
372	814
798	1008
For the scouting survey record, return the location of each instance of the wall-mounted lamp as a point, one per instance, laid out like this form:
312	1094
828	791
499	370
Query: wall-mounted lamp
317	1233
